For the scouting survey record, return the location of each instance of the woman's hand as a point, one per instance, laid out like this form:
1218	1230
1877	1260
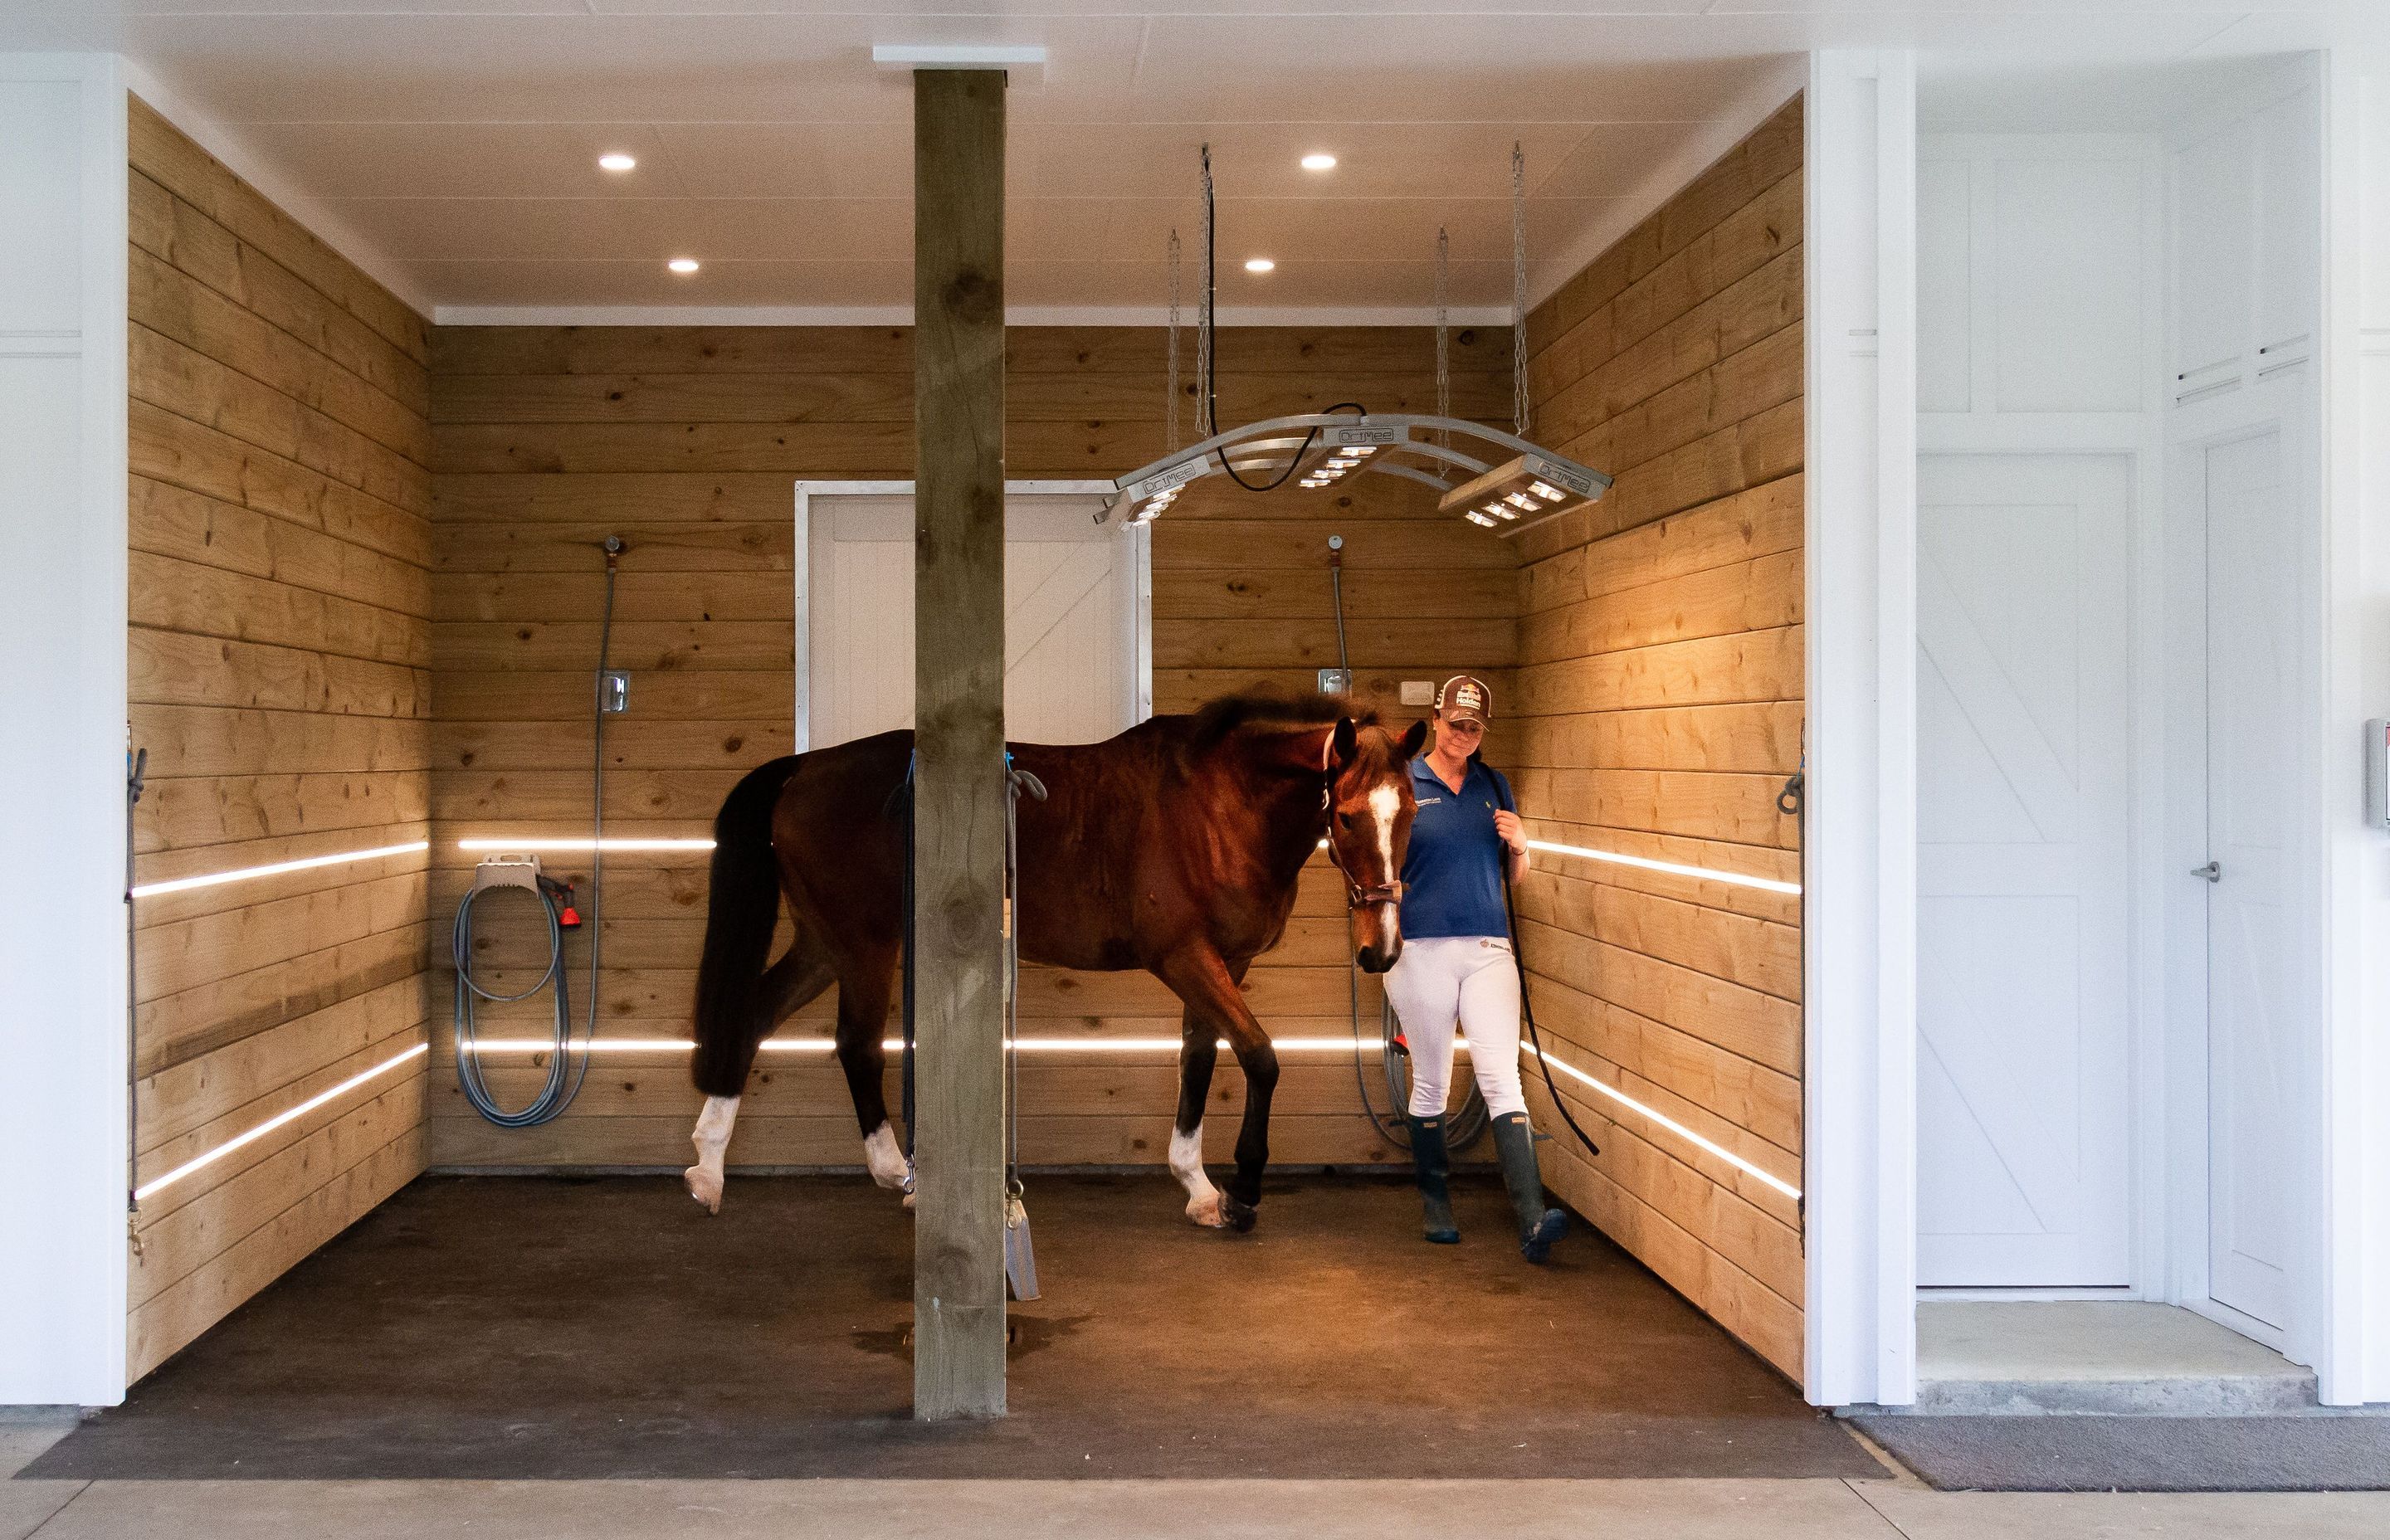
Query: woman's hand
1513	833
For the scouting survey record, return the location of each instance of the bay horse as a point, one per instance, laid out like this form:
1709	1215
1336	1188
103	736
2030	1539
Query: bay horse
1173	847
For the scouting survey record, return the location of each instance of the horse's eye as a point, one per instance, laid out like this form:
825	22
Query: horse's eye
1345	822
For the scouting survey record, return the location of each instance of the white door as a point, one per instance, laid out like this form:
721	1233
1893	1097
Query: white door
1073	670
2022	1095
2252	776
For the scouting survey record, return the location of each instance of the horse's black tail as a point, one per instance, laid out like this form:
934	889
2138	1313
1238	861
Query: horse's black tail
742	908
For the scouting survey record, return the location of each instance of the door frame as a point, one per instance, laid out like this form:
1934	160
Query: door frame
1141	546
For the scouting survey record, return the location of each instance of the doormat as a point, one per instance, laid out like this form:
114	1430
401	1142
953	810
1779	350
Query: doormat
2140	1454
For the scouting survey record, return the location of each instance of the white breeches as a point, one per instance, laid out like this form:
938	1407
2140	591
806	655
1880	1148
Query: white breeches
1441	982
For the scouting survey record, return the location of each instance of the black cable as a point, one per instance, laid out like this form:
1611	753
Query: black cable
1793	802
1211	305
1527	1006
1295	461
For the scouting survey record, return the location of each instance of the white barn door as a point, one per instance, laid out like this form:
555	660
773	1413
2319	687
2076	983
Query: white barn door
2024	1113
1074	670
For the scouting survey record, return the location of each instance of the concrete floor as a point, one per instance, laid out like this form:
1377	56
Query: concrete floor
1898	1508
1824	1508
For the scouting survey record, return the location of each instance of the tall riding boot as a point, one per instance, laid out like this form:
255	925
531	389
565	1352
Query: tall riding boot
1434	1165
1514	1142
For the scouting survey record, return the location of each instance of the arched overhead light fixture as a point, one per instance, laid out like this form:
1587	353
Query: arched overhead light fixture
1495	479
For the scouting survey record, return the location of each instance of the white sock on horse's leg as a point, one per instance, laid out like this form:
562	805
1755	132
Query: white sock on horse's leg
885	1161
713	1137
1187	1164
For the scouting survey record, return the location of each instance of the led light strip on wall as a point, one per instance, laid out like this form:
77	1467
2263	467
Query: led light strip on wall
1671	1125
609	843
185	884
1157	1044
270	1124
823	1045
1676	868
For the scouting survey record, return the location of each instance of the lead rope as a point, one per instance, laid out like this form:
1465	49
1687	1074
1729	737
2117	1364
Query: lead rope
1527	1003
1020	1256
904	1058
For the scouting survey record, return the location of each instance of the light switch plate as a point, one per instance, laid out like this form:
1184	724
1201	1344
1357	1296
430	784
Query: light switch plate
1418	692
1335	681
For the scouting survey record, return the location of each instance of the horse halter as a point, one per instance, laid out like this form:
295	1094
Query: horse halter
1355	895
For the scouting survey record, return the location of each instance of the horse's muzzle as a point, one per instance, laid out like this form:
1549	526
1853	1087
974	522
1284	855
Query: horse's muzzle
1379	955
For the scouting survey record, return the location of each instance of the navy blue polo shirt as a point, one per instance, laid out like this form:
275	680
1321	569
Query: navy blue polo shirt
1452	873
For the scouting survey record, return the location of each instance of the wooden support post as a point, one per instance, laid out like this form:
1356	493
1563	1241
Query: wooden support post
958	1336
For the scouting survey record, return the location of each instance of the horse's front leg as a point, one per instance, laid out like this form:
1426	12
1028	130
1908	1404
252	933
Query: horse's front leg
1199	1049
1207	983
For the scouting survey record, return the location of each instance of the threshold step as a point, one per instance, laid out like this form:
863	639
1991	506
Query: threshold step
2097	1357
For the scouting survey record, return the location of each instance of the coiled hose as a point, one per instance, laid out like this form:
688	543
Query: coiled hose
566	1070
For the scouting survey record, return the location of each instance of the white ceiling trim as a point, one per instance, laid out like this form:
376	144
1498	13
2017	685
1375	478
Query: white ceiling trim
1669	177
902	315
277	189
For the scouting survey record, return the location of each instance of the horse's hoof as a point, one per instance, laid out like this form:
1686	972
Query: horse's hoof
1205	1211
703	1186
1237	1214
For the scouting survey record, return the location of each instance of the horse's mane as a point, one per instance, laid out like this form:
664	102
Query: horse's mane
1229	714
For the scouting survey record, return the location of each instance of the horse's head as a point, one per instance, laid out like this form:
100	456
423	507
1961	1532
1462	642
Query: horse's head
1370	808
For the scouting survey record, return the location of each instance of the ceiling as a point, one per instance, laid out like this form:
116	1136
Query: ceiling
450	145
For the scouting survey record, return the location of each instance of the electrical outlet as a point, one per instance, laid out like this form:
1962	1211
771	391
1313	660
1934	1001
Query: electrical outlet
614	690
1418	692
1335	681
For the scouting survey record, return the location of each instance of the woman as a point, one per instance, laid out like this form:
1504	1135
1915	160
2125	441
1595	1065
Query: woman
1456	965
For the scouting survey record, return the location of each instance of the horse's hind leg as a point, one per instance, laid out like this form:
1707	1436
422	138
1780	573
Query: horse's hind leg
1198	1052
803	972
864	984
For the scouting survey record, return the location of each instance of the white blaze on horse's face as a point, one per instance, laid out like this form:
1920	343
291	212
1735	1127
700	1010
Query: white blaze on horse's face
1370	806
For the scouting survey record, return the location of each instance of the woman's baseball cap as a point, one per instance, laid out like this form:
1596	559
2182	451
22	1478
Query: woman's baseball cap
1464	698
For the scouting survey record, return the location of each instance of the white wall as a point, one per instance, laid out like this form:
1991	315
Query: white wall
63	1052
2356	448
1859	912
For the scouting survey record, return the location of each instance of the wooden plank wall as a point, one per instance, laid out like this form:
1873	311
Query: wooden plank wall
281	644
687	441
1659	675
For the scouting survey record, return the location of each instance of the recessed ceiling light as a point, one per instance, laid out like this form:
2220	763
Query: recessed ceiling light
616	161
682	264
1319	161
1258	264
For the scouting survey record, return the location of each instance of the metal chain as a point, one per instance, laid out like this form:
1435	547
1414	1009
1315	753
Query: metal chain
1518	289
1442	340
1206	422
1170	407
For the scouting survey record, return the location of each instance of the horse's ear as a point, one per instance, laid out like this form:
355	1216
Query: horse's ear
1415	739
1344	743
